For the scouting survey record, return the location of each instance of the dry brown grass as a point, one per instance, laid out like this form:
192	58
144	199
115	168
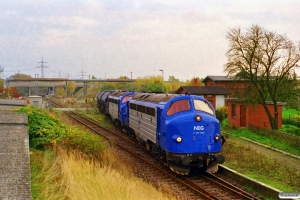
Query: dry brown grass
71	176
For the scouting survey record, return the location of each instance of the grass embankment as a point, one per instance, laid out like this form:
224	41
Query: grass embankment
63	175
266	169
69	163
291	121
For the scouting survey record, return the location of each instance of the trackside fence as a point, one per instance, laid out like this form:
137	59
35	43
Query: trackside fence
289	138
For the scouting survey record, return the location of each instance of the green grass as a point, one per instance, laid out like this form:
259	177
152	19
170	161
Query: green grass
265	169
98	117
258	166
290	129
287	113
40	163
291	121
275	143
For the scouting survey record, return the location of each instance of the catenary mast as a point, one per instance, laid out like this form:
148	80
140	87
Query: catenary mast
42	67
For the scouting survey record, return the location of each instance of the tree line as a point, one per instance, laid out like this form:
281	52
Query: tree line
143	84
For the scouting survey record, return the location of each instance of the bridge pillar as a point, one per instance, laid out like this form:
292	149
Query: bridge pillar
85	88
66	89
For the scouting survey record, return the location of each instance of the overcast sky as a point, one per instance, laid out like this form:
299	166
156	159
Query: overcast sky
112	38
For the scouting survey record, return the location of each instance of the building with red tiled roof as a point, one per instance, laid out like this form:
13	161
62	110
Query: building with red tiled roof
234	86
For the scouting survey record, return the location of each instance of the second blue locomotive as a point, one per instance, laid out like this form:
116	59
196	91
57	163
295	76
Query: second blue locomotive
182	130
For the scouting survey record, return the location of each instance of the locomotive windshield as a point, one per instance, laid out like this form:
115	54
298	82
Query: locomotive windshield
203	106
178	106
125	99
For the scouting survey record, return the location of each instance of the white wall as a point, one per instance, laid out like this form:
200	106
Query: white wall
220	100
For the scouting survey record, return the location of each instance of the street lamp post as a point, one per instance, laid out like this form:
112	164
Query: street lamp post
131	82
162	83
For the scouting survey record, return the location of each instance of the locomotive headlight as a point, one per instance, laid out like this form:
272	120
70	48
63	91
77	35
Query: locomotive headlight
198	118
217	138
177	138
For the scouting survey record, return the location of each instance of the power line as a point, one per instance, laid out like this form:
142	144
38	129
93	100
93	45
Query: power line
68	75
18	70
82	74
42	67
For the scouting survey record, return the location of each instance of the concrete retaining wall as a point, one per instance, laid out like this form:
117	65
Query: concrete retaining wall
14	157
257	186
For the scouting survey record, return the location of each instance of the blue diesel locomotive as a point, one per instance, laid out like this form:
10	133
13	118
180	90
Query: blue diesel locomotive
118	108
182	130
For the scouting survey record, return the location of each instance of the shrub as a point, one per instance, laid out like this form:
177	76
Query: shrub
46	130
221	113
225	123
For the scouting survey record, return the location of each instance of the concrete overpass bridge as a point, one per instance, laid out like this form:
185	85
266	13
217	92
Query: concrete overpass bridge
33	84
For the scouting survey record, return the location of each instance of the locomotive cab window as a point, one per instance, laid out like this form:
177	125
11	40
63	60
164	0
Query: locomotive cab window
125	99
178	106
203	106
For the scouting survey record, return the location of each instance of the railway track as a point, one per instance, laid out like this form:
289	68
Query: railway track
197	186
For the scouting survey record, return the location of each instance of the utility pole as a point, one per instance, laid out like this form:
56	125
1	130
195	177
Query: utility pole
1	70
162	83
68	75
82	74
131	82
42	67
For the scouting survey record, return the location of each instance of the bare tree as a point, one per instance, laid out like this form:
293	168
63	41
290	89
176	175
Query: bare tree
266	61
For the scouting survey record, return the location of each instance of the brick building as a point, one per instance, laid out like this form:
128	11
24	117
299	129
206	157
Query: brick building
235	87
240	114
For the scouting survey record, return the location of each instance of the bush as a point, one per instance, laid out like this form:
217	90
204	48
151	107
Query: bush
221	113
225	123
46	130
